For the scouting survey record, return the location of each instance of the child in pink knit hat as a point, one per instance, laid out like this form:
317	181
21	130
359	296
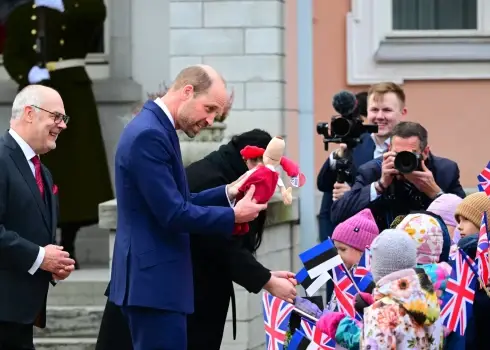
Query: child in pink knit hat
352	236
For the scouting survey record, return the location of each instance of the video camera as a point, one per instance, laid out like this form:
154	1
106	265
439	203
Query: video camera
344	128
347	127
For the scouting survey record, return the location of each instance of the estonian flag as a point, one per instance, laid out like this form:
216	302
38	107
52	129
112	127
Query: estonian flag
311	286
299	341
320	258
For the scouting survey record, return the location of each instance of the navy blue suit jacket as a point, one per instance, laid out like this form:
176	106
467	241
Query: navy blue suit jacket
327	177
446	175
151	265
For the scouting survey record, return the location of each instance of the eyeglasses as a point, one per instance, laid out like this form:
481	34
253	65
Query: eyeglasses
57	116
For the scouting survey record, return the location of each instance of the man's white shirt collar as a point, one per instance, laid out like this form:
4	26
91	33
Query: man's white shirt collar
26	149
165	110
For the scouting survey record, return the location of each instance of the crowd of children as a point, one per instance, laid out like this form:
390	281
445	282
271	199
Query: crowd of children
409	265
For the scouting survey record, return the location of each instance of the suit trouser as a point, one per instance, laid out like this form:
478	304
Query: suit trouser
154	329
15	336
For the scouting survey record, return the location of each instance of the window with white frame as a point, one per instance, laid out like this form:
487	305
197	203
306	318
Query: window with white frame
418	40
97	62
434	15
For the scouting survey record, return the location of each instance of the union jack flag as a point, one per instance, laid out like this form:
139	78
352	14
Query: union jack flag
362	272
484	175
321	340
457	301
276	320
363	269
484	180
482	250
344	291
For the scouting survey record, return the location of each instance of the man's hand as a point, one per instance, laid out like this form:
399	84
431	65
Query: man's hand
232	189
424	181
339	152
64	273
281	288
291	277
247	209
339	189
37	74
52	4
55	259
388	170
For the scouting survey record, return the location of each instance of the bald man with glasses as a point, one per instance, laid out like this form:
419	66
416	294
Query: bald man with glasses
29	259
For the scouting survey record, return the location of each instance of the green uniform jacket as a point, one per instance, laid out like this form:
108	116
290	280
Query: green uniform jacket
79	162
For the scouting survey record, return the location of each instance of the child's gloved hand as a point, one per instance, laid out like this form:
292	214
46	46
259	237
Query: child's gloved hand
329	322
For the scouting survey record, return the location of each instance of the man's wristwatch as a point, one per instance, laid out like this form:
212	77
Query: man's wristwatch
379	187
440	193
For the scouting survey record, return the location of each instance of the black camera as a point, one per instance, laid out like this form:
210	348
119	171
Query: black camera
407	162
348	126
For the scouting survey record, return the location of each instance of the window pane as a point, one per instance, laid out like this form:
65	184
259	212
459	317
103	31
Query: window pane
435	14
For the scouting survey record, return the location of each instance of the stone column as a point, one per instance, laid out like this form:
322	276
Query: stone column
243	40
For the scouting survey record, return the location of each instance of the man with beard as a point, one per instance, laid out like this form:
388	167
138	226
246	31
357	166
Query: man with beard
383	188
151	276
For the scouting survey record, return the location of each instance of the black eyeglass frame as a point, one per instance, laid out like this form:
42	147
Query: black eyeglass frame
57	116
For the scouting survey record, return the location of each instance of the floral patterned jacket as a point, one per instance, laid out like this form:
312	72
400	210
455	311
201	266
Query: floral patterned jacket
404	315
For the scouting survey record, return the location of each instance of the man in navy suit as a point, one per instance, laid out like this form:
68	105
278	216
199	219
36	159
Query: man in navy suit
388	193
385	108
151	275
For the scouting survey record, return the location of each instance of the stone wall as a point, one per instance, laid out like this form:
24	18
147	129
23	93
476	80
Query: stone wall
279	251
243	40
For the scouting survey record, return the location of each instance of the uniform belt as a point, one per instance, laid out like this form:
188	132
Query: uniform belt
70	63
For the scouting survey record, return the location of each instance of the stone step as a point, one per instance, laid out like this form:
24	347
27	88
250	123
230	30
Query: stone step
83	287
65	343
71	322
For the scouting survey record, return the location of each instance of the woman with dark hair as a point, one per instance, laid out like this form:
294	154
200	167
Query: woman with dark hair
217	262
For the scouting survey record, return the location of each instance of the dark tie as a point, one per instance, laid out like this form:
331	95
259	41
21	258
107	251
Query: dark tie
37	171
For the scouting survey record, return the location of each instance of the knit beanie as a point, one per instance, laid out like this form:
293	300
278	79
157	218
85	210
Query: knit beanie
445	206
427	235
391	251
473	207
358	231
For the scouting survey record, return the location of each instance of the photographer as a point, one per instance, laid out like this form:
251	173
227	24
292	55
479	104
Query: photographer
397	182
385	108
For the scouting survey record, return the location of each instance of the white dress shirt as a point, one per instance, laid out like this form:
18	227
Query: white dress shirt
29	154
165	110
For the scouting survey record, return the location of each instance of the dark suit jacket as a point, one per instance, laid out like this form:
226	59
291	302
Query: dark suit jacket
216	261
26	223
151	265
446	175
327	177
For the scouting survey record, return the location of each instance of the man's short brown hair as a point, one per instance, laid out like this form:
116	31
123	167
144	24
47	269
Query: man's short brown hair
195	76
380	89
411	129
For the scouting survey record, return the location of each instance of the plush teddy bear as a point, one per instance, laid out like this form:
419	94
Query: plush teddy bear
265	177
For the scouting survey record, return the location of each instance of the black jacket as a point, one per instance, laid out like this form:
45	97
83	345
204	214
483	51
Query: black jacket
385	209
218	262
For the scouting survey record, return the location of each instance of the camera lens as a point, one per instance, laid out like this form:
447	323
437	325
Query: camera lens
341	127
406	162
322	128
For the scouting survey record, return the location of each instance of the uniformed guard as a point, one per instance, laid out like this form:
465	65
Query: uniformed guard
79	164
